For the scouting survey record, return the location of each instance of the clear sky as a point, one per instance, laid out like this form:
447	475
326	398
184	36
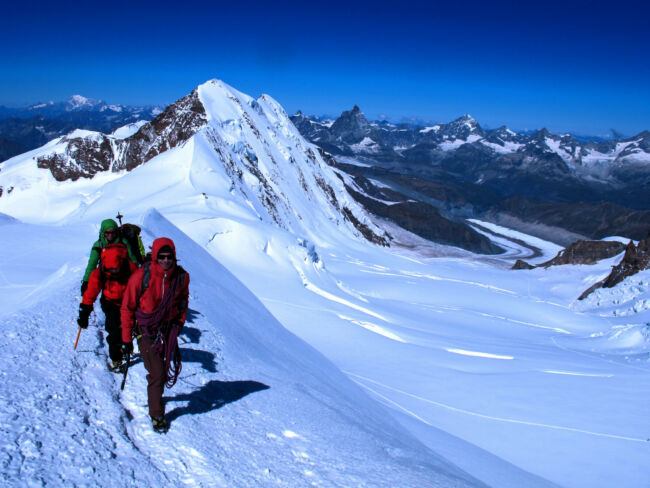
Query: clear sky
568	66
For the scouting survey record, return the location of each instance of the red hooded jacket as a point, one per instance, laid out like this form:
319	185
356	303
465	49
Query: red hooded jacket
115	256
152	296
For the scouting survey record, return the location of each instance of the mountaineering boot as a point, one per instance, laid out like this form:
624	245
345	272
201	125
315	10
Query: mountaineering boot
160	424
115	366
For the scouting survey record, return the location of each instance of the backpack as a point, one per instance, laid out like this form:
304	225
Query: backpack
131	234
114	255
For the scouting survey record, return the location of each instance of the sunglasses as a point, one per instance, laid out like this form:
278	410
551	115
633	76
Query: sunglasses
165	257
109	232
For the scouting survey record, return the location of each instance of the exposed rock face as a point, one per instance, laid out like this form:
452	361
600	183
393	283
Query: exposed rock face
351	126
590	189
521	264
590	220
635	259
27	128
580	252
86	155
421	218
585	252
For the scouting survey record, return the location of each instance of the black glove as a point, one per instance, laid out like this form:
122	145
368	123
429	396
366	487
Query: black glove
84	313
127	348
84	285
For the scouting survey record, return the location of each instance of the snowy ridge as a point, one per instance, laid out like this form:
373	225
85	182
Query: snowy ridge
271	165
270	410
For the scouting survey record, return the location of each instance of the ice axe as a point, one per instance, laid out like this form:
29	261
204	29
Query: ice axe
119	217
77	341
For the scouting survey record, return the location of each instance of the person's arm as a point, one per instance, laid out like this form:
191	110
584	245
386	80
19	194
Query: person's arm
93	289
95	286
92	261
129	305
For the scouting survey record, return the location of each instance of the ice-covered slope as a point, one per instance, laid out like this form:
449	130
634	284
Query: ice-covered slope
230	146
255	406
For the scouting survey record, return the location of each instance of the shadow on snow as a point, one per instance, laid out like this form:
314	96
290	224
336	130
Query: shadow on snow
197	356
212	396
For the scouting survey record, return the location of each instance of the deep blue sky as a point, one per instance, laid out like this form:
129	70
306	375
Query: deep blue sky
582	67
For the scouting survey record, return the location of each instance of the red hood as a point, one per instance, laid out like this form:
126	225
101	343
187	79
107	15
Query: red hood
155	249
158	244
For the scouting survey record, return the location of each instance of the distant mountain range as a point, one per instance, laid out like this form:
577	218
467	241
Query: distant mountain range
29	127
551	185
427	179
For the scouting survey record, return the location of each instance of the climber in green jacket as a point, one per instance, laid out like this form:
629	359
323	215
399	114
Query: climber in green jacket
108	234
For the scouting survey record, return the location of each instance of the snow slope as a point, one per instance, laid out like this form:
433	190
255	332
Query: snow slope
255	406
501	372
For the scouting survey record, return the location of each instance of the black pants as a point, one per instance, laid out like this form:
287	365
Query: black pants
113	328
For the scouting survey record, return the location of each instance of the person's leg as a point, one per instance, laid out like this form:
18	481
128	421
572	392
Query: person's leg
113	329
155	365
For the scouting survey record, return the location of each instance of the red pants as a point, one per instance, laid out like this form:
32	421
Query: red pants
155	364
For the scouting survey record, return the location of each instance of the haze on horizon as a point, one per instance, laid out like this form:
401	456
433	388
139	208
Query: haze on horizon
570	68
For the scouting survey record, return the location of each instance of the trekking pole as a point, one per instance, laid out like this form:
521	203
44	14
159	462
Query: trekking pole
77	341
126	370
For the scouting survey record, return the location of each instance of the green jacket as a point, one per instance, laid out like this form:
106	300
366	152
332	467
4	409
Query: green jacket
101	243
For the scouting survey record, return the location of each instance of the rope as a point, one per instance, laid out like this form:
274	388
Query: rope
163	333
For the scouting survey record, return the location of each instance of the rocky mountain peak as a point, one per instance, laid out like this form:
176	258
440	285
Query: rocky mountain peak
541	134
462	128
645	136
635	259
86	153
351	127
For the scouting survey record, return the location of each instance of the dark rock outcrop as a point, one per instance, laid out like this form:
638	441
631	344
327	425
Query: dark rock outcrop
521	264
27	128
585	252
86	156
635	259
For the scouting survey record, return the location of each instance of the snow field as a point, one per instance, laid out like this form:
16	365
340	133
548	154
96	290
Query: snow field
501	372
254	405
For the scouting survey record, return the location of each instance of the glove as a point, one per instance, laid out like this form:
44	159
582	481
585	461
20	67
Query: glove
84	313
127	348
84	285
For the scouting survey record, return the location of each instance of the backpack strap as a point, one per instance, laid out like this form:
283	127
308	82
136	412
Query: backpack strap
146	278
181	279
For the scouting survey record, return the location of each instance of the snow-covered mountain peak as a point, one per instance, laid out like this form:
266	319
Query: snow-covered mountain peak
79	102
267	169
222	102
462	129
38	106
466	119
